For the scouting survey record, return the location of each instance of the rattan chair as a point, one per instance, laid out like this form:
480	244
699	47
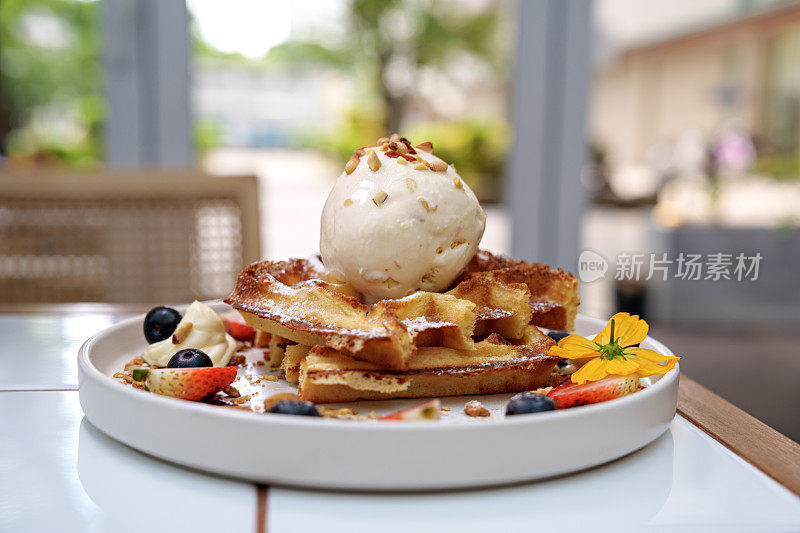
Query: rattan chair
124	237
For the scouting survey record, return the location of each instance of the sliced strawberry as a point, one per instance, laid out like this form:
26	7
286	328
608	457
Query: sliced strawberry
188	383
571	394
424	411
238	329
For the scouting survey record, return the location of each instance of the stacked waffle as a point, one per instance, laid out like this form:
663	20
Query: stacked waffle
479	337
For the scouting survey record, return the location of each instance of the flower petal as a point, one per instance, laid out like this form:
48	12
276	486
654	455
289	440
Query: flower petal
594	370
628	329
651	355
647	368
574	347
622	367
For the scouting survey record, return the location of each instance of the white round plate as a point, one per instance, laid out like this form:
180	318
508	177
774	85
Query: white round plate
455	452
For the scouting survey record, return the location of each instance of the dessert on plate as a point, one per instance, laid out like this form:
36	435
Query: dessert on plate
399	303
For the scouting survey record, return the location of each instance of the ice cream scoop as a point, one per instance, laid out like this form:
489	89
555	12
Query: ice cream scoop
399	219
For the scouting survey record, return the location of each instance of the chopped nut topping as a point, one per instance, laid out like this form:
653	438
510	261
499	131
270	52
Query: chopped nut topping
445	408
439	166
181	332
424	203
401	149
351	165
275	398
458	183
348	201
411	184
379	198
402	161
425	147
383	140
373	162
384	148
421	166
231	391
372	415
328	412
394	137
476	408
439	250
543	390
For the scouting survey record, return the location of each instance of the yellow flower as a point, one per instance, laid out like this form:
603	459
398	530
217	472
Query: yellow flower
614	351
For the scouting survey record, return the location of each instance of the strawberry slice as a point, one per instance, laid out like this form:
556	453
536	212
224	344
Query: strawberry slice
186	383
571	394
424	411
237	328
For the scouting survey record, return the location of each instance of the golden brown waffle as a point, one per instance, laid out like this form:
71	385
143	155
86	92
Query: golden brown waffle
316	312
297	301
553	292
490	366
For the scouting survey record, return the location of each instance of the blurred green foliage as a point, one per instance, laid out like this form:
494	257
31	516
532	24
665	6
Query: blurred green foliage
422	36
780	167
51	101
477	147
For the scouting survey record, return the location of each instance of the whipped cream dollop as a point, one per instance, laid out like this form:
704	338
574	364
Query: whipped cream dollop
206	333
392	226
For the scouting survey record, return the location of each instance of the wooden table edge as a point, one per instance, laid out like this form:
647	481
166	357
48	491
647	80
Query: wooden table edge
768	450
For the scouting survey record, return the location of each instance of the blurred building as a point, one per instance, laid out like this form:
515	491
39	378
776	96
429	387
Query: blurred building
742	66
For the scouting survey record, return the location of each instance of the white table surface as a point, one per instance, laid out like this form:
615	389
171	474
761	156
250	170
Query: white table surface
59	473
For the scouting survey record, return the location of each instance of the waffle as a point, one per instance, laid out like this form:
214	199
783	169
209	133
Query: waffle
299	302
490	366
317	312
553	292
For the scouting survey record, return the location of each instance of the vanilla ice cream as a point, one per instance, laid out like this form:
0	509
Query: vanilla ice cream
202	329
391	227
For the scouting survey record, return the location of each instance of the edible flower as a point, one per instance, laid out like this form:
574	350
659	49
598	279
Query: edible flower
614	351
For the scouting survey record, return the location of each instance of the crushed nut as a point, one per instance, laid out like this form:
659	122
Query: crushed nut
543	390
359	152
383	140
439	250
421	166
275	398
373	162
269	377
348	201
425	147
394	137
232	391
411	184
475	409
379	198
351	165
181	332
457	182
402	161
445	408
439	166
401	149
328	412
372	415
237	359
424	203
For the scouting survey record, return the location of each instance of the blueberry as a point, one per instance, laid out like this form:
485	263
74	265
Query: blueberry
557	335
294	407
190	358
159	323
529	402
